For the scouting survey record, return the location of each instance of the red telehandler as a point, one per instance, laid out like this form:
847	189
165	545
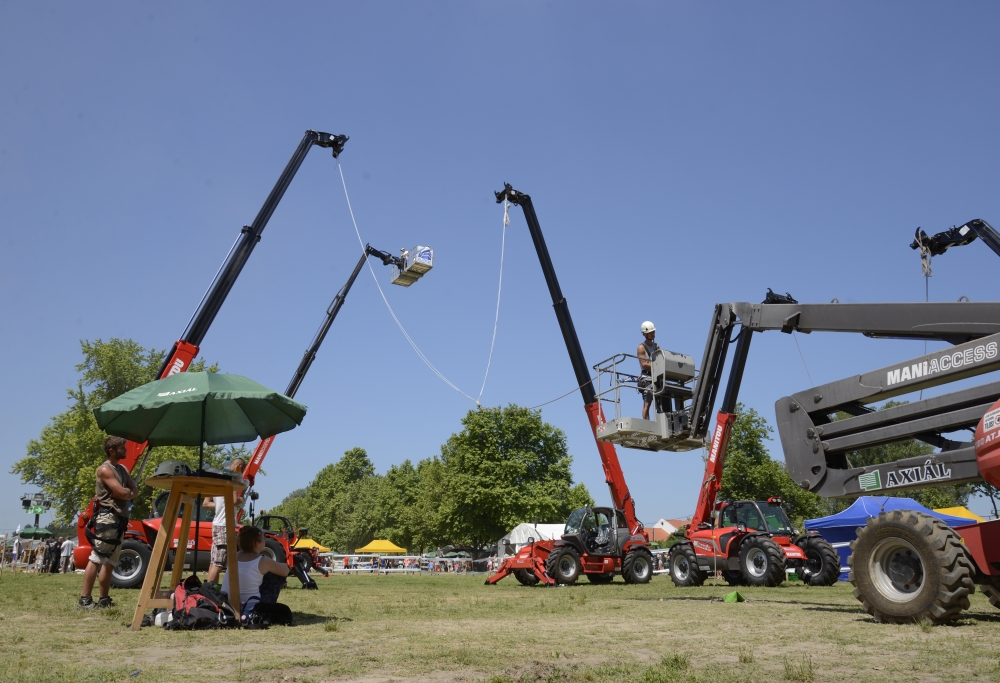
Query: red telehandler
133	561
598	542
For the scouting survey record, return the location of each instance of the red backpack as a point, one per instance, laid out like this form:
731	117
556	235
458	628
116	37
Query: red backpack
198	605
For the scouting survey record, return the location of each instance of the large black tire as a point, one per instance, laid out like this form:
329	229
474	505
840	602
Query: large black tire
525	577
907	566
684	570
563	565
992	592
762	562
132	564
637	567
734	577
822	565
274	550
601	579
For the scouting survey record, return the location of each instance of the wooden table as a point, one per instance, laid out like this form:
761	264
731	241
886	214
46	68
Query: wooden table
184	491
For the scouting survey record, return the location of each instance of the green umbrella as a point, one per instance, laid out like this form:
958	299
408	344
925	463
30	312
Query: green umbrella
192	408
195	408
34	532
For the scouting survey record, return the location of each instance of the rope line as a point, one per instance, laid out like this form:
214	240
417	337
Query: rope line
571	391
802	356
387	305
503	240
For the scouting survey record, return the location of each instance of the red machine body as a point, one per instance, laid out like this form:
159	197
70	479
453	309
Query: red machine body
599	542
134	560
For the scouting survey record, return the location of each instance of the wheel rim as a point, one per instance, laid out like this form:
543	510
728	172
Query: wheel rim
756	562
640	567
566	567
814	562
681	568
896	569
270	553
129	565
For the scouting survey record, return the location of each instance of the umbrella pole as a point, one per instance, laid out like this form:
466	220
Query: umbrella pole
201	461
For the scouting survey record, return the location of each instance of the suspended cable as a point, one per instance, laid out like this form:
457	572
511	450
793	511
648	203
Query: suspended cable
802	356
391	312
496	319
559	398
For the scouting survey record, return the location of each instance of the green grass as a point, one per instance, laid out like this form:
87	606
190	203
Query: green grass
451	627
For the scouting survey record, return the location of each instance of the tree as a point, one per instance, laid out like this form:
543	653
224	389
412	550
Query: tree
751	474
505	467
64	458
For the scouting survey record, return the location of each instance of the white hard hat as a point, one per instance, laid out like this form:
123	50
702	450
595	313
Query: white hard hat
648	327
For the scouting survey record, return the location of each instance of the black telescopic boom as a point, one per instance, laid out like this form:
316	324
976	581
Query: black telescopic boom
580	367
250	235
736	371
331	314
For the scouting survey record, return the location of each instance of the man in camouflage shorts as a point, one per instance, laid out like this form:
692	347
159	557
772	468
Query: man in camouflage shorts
219	556
114	493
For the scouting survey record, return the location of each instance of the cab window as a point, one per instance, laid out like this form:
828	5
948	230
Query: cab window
620	519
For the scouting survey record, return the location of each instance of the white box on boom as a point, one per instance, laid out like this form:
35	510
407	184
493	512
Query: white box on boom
416	262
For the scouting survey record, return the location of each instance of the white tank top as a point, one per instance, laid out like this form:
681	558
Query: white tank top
250	580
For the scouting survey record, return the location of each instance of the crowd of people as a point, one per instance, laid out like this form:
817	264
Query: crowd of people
46	557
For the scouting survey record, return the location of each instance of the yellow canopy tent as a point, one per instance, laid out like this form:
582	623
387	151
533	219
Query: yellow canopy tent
961	512
378	546
309	543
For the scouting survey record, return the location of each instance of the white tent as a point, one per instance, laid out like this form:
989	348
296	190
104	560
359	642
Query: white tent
519	535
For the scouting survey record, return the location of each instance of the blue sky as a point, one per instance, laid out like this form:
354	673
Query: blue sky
678	154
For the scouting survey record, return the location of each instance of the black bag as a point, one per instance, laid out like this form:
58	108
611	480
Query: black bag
259	614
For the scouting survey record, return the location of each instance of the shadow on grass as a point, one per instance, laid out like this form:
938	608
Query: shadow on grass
306	619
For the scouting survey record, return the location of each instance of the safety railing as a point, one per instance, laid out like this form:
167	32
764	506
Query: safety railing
608	373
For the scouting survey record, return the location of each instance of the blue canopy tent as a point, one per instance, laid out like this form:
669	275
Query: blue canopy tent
840	529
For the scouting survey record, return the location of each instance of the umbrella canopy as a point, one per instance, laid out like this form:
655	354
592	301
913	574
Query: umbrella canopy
378	546
309	543
35	532
191	408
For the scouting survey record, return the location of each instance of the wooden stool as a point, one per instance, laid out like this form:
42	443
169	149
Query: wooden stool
184	491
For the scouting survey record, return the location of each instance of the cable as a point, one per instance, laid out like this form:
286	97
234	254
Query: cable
571	391
391	312
503	239
808	374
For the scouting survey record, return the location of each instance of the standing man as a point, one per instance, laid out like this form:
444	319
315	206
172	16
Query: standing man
67	555
646	353
219	556
114	492
56	547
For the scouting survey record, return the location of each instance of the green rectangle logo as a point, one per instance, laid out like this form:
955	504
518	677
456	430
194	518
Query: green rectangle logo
871	481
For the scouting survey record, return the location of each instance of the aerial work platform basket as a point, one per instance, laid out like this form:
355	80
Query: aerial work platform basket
669	380
416	262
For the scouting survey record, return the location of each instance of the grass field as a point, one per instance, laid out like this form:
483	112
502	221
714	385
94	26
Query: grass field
451	627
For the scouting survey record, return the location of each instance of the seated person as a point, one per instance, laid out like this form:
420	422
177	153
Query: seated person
261	578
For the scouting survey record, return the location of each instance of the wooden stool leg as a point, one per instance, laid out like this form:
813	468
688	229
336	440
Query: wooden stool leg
232	564
156	560
182	539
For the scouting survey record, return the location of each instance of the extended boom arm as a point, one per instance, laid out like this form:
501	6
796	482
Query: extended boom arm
609	458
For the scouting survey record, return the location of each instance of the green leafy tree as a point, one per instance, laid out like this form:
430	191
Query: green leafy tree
751	474
64	458
505	467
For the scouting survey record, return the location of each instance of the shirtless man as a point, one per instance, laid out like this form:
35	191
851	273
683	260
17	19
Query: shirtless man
646	353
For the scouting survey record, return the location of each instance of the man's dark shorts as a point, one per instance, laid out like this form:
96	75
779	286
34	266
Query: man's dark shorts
645	388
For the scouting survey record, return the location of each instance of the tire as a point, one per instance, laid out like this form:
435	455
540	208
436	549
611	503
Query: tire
822	565
563	565
637	567
525	577
684	570
601	579
907	566
132	564
274	550
992	593
762	562
734	577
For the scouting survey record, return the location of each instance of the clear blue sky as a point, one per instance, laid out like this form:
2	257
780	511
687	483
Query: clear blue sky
678	154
